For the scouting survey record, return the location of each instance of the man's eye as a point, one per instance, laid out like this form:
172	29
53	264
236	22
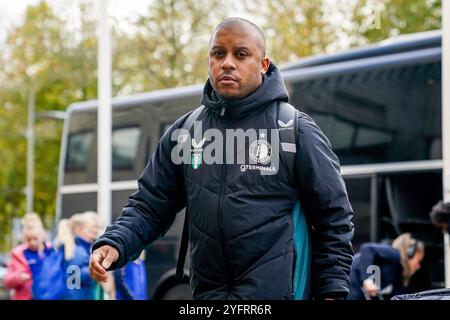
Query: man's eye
219	53
242	54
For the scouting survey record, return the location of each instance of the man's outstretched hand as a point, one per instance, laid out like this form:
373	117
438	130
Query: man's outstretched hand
101	259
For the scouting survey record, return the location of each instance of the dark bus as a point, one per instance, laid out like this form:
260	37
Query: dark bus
380	106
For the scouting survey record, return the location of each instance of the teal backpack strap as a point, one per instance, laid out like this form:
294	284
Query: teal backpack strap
287	122
188	125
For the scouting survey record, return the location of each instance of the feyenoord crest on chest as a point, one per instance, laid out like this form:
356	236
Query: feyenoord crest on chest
260	150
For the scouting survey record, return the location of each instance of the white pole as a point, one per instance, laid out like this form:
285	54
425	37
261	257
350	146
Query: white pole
446	124
104	115
29	190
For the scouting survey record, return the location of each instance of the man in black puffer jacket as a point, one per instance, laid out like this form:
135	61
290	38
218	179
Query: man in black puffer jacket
254	233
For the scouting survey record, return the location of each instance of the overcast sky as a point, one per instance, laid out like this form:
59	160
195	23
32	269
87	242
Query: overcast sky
12	11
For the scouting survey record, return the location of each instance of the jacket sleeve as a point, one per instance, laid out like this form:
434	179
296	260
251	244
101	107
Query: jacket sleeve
12	278
151	210
370	255
324	198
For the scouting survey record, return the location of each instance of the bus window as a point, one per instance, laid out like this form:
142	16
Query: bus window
125	143
386	114
79	145
339	132
371	145
372	137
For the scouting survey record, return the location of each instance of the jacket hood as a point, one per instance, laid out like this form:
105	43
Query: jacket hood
272	89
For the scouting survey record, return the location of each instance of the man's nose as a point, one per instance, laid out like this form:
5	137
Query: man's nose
228	62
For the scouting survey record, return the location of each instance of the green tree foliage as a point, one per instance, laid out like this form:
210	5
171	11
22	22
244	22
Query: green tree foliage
41	55
299	28
168	45
54	53
28	58
376	20
295	28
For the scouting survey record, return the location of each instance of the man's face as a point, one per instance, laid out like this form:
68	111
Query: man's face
235	62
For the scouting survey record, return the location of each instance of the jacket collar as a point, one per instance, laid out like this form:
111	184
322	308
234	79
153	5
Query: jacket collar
272	89
82	242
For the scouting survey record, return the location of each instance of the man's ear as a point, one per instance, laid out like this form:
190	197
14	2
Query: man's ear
265	63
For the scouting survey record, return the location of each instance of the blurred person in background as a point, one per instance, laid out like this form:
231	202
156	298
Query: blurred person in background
131	280
397	263
440	215
26	259
77	235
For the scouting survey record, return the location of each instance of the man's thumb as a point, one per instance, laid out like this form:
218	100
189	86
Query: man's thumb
108	261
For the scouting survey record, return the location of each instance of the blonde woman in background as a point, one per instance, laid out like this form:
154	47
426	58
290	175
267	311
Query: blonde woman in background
397	263
26	259
76	235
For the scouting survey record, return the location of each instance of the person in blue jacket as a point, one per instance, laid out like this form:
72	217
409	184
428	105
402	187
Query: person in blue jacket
256	231
27	259
131	280
381	271
76	236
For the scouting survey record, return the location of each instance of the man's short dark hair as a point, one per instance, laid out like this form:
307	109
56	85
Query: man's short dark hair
241	22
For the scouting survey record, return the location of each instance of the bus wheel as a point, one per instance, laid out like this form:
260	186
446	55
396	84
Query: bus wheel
180	291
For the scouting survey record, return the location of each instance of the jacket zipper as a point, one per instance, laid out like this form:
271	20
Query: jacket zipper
222	198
